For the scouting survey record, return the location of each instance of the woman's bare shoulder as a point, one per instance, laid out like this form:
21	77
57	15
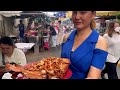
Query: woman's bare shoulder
102	43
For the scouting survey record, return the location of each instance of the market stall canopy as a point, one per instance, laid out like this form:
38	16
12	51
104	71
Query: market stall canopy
31	12
106	13
10	13
34	14
26	14
49	15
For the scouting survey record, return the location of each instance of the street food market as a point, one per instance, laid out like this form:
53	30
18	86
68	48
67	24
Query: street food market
37	44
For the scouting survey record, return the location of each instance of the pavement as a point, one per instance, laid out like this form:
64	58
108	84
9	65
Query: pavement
35	56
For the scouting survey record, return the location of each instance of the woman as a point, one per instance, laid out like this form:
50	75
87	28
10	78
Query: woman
113	38
85	48
10	54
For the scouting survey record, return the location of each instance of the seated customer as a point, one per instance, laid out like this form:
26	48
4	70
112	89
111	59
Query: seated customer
11	54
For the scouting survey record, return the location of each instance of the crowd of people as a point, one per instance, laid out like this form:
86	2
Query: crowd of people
55	32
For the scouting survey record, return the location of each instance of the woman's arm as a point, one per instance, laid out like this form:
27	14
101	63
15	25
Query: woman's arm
94	73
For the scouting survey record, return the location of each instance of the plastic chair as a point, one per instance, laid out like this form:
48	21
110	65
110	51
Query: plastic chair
46	45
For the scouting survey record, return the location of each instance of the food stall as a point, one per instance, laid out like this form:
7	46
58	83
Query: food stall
36	28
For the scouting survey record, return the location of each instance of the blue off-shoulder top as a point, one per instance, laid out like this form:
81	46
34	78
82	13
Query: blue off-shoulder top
84	56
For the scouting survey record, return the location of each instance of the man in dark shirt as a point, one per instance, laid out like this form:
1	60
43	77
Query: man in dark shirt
53	32
53	36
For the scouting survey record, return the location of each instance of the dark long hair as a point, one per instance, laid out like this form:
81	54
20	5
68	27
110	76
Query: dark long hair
7	40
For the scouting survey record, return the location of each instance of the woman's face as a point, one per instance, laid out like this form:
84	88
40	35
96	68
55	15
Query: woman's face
116	25
82	19
7	49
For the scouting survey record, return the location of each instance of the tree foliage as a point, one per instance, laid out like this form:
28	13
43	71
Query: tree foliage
118	15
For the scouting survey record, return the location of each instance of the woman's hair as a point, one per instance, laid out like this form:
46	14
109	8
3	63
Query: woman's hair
111	29
7	40
93	24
